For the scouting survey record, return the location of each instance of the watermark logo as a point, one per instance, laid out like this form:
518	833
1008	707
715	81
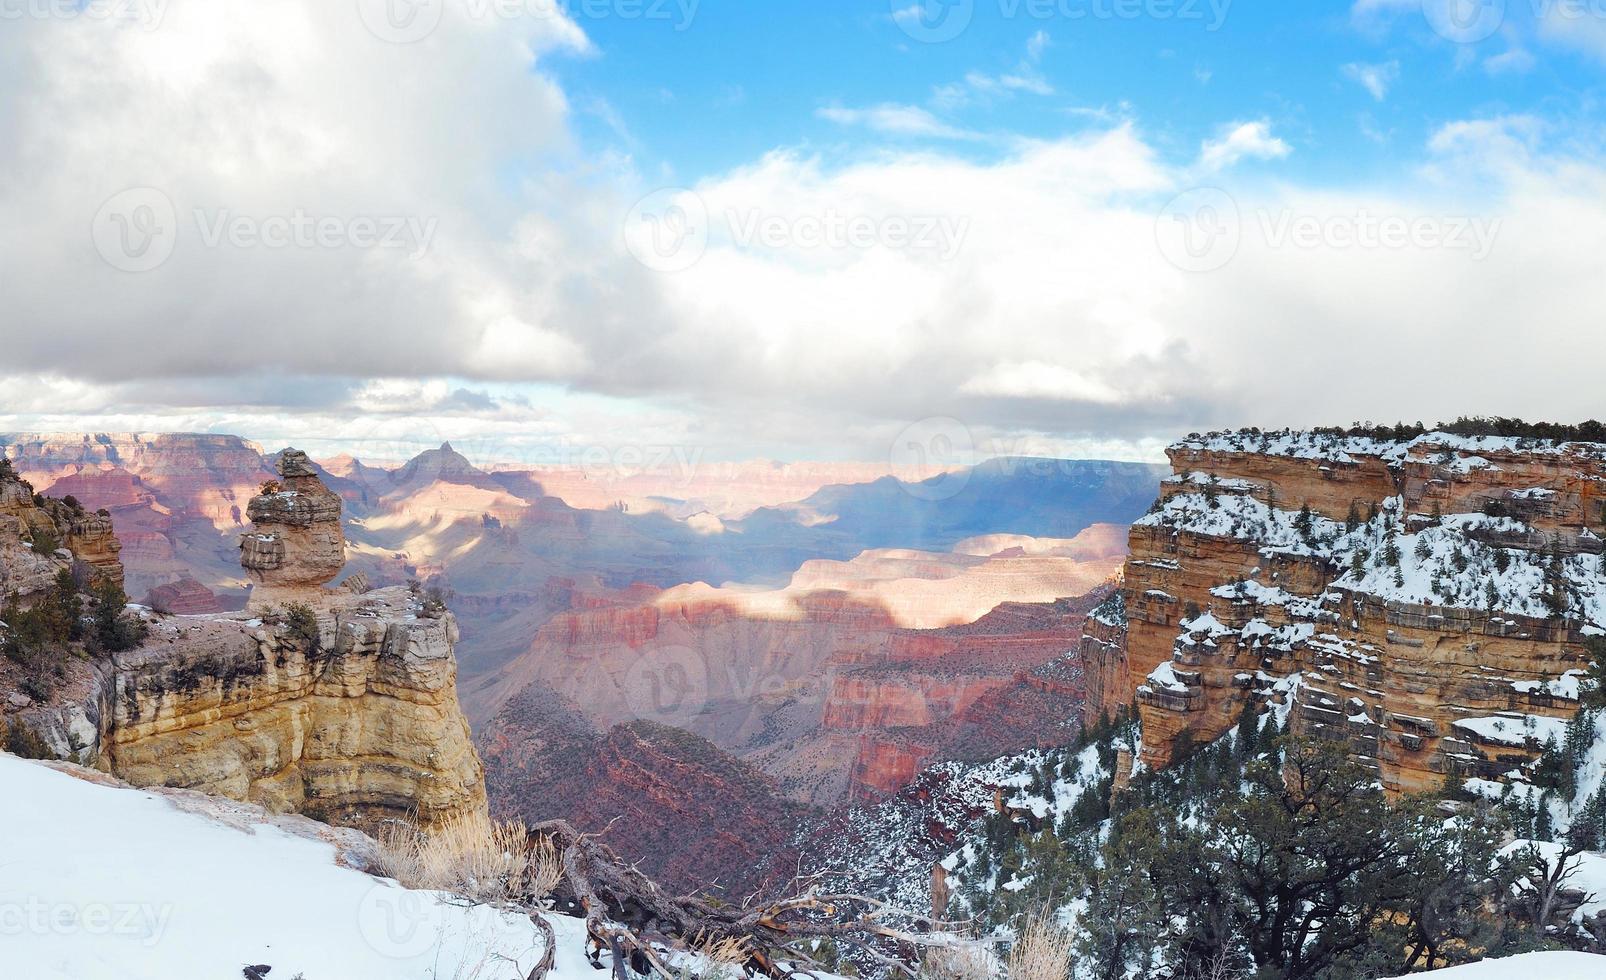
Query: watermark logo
144	922
401	21
136	230
932	458
1465	21
1200	230
670	230
667	231
937	21
933	21
398	923
410	21
667	684
146	14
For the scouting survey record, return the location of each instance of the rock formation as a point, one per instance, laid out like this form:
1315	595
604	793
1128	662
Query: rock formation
1425	600
296	545
340	704
81	539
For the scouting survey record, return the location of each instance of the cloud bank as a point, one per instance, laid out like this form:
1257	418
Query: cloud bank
1028	291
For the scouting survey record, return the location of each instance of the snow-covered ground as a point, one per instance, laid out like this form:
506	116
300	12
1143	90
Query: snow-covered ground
1528	966
107	883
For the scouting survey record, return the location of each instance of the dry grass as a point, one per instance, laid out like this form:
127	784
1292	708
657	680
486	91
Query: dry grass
1042	951
730	951
960	961
471	856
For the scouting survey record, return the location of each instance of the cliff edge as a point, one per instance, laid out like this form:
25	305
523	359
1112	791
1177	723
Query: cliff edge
1426	599
340	704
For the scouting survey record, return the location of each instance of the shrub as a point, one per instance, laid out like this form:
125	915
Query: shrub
114	630
24	743
1042	951
45	541
302	623
473	857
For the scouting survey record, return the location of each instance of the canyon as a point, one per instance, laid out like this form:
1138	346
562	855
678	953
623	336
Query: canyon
749	632
1425	600
337	703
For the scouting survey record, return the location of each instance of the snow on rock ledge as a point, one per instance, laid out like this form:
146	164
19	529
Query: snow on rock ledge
1548	966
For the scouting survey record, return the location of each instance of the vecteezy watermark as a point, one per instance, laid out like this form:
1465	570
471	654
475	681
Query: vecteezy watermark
669	230
1202	230
936	21
1466	21
147	14
137	230
1474	21
398	923
299	229
129	920
410	21
666	684
932	458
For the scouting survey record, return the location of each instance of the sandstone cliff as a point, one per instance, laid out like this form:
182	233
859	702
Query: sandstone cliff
337	703
75	537
1424	600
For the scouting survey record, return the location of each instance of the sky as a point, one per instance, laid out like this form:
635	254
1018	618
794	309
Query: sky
838	229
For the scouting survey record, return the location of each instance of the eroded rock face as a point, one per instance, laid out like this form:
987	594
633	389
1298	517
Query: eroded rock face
90	545
1425	601
336	703
296	544
358	725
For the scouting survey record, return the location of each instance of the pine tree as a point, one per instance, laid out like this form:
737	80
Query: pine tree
1248	728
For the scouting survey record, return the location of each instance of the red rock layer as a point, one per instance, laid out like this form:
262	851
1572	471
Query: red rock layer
1403	683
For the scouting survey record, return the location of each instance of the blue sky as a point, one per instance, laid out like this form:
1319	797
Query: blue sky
690	97
797	229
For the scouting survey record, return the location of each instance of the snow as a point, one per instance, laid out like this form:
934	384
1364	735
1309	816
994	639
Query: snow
1589	878
1550	966
1565	686
1322	447
1332	448
107	883
1166	678
1515	729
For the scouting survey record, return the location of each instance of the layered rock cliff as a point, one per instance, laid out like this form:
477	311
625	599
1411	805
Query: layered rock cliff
1426	600
39	534
336	703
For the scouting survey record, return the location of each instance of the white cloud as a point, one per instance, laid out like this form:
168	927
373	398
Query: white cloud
1376	79
1038	380
1241	141
1026	76
1056	317
895	120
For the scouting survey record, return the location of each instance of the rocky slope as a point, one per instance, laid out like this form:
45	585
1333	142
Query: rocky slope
333	703
1426	600
691	816
178	500
39	535
827	689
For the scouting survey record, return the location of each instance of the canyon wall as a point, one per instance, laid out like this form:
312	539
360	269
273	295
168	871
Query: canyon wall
337	703
1426	601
